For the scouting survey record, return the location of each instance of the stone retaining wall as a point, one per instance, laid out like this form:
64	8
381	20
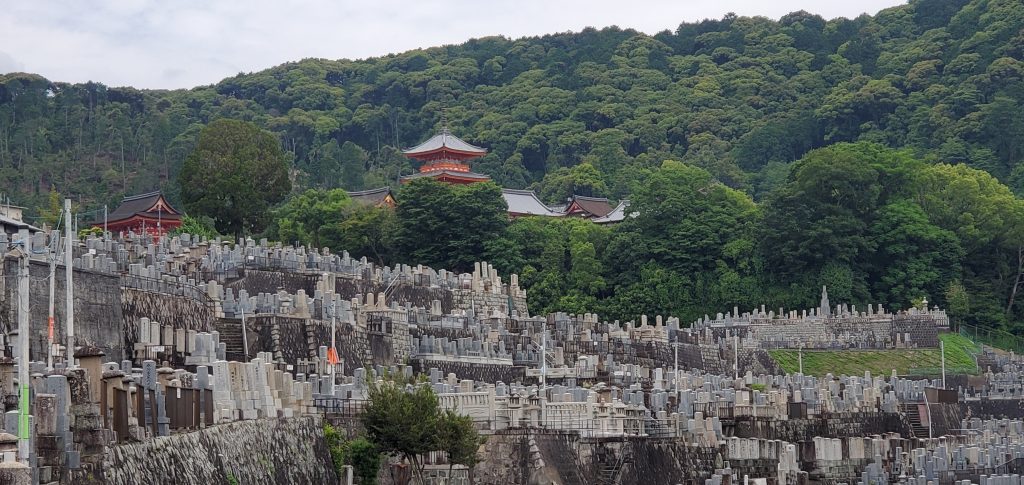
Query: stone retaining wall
838	425
178	311
272	451
474	371
98	317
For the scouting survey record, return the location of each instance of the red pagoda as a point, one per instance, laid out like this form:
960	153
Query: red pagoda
444	158
145	213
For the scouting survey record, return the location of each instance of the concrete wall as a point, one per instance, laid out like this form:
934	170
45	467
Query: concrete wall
98	313
267	451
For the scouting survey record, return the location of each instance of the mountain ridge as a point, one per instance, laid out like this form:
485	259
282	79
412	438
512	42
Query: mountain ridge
595	109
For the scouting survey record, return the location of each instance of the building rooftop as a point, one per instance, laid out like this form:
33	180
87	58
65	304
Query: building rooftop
525	202
588	206
152	203
445	141
618	214
373	197
452	174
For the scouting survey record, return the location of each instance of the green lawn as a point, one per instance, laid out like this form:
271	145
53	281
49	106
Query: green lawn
882	362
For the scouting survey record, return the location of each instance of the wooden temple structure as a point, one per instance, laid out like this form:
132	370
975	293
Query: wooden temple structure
444	157
144	213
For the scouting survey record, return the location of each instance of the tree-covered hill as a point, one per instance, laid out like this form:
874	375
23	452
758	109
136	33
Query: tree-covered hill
595	110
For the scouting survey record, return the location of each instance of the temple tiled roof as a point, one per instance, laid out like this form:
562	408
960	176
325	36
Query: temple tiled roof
448	173
444	140
589	206
618	214
525	202
143	204
372	196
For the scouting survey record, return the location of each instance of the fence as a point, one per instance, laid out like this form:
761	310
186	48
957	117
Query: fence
999	339
166	286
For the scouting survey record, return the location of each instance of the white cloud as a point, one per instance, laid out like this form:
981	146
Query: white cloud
175	44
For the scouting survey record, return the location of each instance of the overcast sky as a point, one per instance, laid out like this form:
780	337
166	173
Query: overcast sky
185	43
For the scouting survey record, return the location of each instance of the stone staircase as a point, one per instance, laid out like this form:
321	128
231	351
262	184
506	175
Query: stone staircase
609	472
231	336
913	414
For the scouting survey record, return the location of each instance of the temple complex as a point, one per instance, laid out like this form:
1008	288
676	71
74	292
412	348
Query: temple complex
144	213
445	158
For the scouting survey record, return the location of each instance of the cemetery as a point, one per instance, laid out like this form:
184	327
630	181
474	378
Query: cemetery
199	361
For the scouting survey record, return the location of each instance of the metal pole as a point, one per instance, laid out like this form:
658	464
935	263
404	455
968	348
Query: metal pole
800	357
23	357
104	221
942	352
675	372
543	372
54	244
245	335
334	324
69	287
928	409
736	355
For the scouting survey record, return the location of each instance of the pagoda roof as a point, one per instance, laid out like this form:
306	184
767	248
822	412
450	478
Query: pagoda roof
152	204
618	214
449	174
589	206
442	142
526	202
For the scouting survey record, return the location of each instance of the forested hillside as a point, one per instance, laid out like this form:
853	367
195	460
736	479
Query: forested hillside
878	155
739	96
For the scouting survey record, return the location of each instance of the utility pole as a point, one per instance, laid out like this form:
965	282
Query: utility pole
736	355
104	222
333	349
800	357
675	371
54	244
69	287
942	353
23	357
245	334
543	372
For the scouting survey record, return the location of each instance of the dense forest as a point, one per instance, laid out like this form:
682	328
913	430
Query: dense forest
878	155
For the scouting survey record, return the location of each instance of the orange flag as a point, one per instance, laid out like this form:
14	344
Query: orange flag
332	356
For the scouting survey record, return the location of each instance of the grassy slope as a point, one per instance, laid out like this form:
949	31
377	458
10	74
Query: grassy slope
882	362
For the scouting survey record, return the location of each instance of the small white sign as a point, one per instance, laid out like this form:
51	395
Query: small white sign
158	348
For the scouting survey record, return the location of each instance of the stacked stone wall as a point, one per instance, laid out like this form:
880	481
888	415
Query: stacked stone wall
268	281
837	425
661	462
98	311
178	311
474	371
281	451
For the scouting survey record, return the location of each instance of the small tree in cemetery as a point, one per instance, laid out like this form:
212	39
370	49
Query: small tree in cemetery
458	438
405	420
360	453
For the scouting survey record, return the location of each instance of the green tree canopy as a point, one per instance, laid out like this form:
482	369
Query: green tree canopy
304	217
449	226
235	174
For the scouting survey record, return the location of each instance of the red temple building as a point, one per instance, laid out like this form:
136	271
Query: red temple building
145	213
444	158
